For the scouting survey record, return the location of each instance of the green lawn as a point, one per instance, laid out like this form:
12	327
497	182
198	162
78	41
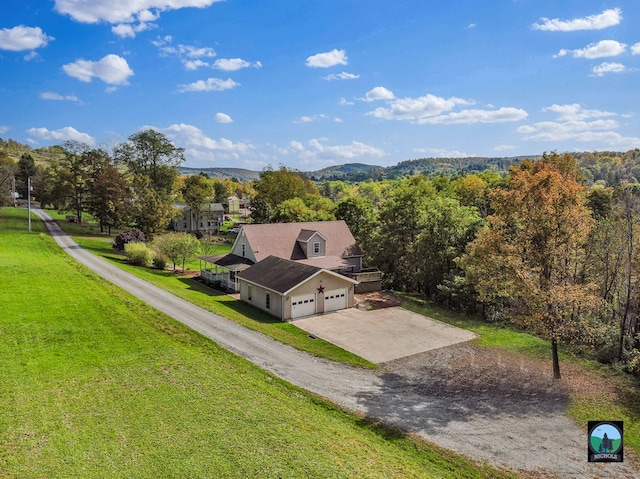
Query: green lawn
94	383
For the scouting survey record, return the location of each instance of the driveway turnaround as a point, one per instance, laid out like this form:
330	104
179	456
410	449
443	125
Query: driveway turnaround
530	434
385	334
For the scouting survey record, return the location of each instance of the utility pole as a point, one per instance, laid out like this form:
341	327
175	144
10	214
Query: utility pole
29	201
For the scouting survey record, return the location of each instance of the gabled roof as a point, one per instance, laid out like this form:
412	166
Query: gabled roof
282	275
203	207
281	239
230	261
306	235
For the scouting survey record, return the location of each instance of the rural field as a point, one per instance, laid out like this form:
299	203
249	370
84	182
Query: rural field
96	384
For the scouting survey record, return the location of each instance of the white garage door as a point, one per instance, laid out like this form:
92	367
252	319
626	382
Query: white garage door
335	299
303	305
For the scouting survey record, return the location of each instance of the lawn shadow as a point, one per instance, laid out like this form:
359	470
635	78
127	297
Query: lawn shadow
250	312
460	383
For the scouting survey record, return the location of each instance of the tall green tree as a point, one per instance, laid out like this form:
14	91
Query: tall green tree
110	197
150	213
275	187
360	216
531	254
26	169
72	176
150	153
447	229
197	191
8	169
401	220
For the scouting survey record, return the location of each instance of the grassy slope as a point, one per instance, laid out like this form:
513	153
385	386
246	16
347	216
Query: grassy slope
96	384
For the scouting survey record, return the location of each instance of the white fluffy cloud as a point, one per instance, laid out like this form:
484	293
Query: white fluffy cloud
200	147
576	124
316	151
327	59
575	112
602	49
111	69
501	115
233	64
608	67
311	118
49	95
21	38
129	16
341	76
432	109
223	118
379	93
607	18
67	133
635	49
210	84
191	57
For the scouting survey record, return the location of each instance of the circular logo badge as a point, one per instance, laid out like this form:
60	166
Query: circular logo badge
605	438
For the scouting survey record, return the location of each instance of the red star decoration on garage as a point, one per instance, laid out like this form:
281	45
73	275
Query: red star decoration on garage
321	289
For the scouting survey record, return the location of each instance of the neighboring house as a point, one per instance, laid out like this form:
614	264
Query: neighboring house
327	245
207	219
291	289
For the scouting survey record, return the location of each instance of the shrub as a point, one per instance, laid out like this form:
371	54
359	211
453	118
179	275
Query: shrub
159	262
139	254
129	236
608	345
634	364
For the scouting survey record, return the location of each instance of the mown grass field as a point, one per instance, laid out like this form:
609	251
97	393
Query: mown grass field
96	384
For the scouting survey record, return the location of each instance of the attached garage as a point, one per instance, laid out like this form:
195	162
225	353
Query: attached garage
291	289
304	305
335	299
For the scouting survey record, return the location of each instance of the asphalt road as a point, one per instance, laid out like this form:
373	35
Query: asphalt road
531	436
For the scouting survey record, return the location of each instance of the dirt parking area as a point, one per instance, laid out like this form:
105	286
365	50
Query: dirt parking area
385	334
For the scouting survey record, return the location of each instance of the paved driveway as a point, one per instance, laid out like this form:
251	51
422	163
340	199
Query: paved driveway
385	334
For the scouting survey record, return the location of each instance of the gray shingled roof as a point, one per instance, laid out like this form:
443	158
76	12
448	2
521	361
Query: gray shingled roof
230	261
278	274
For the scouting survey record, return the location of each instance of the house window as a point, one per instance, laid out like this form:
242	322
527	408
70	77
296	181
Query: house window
243	250
267	300
316	248
249	292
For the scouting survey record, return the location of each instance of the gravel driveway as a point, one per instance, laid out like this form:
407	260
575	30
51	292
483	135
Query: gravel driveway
495	410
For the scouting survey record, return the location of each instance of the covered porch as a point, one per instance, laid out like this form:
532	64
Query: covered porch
220	270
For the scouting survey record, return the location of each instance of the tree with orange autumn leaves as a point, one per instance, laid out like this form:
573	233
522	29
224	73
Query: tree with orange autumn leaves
529	257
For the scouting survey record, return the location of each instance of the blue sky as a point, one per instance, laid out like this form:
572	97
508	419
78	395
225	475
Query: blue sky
309	84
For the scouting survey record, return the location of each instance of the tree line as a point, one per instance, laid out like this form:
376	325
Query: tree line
552	244
543	246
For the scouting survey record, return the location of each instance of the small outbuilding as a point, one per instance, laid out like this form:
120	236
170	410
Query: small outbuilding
290	289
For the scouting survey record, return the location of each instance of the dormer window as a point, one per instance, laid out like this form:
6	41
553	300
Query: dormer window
316	248
243	249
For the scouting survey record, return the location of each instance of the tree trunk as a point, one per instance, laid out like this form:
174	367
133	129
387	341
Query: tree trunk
556	360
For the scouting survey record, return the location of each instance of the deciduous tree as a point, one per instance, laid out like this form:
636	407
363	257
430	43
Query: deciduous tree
531	254
150	153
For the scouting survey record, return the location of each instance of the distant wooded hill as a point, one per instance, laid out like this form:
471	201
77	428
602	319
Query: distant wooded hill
608	167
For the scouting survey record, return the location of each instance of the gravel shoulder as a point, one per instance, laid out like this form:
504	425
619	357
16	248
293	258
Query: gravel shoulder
488	405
